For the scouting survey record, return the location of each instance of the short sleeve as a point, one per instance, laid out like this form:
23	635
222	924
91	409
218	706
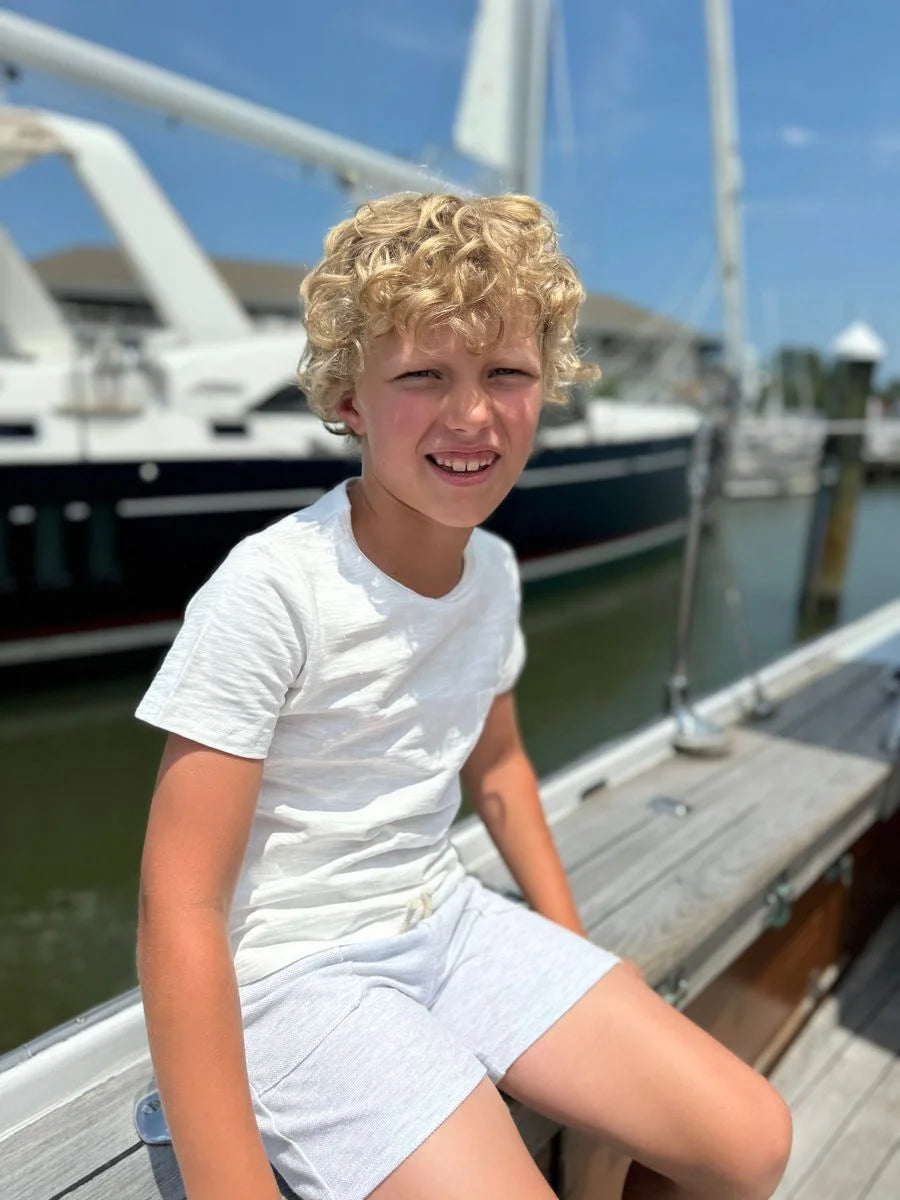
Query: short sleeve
516	652
240	647
515	661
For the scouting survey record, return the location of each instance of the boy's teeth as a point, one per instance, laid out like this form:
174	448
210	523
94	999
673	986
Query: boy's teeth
456	464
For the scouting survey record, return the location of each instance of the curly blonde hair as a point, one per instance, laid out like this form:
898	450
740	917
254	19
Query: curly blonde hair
412	261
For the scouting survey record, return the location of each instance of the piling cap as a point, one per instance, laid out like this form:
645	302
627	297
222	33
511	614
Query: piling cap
858	343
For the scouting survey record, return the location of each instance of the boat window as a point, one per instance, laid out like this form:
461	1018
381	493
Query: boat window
18	429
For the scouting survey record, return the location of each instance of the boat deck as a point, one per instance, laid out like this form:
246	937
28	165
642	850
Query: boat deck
677	863
841	1079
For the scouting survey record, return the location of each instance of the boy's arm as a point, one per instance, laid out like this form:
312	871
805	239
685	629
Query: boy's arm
503	787
196	836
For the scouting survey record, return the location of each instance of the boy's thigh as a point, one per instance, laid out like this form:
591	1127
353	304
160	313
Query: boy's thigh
475	1154
626	1066
509	975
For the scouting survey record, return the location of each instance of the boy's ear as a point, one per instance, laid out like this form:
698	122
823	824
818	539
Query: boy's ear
349	413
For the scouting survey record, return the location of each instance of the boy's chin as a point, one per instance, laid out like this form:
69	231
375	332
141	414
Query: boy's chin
466	507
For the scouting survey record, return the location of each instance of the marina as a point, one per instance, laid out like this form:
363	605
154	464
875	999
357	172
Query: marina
711	608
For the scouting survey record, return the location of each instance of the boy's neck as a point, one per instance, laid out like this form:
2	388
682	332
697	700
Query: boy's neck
421	554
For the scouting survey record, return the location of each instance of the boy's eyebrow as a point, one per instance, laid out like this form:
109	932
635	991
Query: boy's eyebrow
405	361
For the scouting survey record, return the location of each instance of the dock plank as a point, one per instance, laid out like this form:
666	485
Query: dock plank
845	1167
885	1184
862	992
846	1114
67	1147
675	915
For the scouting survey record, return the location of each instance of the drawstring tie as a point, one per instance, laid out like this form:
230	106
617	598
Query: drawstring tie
423	901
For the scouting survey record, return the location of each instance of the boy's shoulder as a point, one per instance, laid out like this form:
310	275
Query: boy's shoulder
275	542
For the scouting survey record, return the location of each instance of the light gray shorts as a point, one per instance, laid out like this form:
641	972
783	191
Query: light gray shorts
357	1053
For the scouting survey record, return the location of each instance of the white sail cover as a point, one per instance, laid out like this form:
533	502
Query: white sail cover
486	126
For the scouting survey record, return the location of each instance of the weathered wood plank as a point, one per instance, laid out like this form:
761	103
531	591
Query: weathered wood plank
146	1173
863	992
859	1078
688	908
885	1184
75	1140
606	821
634	849
851	1159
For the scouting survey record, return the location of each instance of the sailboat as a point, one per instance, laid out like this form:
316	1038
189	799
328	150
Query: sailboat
116	456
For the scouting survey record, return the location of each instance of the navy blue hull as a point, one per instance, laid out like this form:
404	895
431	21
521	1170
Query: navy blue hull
96	547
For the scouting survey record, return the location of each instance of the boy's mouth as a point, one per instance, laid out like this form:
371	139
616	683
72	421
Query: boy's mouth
457	470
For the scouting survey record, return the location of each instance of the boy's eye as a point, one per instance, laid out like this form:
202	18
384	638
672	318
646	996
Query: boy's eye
430	371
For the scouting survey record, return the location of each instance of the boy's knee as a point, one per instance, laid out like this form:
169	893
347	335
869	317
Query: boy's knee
779	1139
766	1145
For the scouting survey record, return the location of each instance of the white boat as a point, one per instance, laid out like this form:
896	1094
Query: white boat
119	450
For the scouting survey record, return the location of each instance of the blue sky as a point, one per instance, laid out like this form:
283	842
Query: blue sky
819	98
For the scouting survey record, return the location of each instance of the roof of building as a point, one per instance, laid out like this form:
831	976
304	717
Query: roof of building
103	274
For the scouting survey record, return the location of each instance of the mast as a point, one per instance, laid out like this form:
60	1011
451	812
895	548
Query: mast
728	180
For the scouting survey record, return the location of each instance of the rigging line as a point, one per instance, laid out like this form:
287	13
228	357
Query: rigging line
562	89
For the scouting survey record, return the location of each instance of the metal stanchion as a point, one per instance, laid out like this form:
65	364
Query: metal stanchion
693	733
890	739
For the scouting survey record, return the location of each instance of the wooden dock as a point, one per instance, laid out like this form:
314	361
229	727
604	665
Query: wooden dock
841	1078
744	887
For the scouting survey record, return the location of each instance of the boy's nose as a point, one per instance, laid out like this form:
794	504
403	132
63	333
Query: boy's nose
468	405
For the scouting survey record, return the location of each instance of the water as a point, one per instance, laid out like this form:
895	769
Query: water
79	770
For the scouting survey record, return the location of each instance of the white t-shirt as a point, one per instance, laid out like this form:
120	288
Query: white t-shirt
364	698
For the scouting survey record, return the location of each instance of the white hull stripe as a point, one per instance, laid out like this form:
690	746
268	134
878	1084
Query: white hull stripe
637	464
90	641
593	556
217	502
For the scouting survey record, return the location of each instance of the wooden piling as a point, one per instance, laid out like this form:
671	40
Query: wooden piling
833	516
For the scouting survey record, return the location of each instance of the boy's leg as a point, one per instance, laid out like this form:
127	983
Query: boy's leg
475	1154
626	1066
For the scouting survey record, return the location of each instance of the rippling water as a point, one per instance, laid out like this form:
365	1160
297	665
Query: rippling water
79	769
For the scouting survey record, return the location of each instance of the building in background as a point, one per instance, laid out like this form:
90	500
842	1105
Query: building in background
645	357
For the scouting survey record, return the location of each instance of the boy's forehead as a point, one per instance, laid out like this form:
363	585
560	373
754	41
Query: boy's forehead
436	342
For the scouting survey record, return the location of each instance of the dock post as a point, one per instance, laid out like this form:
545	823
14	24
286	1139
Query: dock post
857	350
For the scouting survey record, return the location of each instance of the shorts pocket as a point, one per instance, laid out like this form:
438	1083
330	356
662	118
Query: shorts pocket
287	1022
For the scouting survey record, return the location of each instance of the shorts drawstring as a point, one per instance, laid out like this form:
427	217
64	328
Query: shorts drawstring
423	901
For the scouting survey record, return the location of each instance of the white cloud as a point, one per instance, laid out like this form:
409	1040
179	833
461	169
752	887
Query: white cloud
797	137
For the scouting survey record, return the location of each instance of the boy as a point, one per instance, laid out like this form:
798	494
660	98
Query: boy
326	989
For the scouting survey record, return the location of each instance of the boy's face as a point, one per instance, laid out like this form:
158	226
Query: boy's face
410	404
